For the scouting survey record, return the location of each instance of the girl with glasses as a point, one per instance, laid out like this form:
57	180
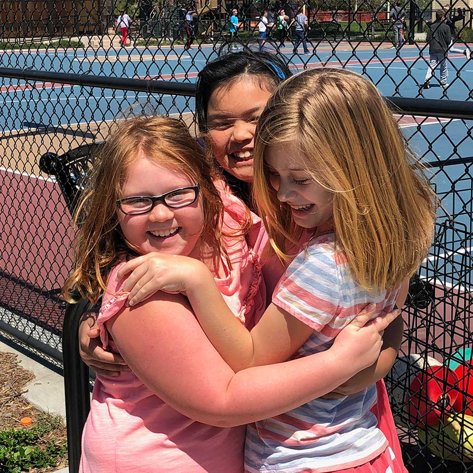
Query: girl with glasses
181	408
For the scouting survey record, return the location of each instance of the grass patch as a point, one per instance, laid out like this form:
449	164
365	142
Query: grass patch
36	448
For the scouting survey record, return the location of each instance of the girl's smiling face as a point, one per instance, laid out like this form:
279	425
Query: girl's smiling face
311	204
172	231
232	114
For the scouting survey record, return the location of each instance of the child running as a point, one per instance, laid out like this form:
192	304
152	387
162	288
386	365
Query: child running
332	177
181	408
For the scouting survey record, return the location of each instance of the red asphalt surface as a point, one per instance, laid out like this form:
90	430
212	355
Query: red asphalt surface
36	235
35	245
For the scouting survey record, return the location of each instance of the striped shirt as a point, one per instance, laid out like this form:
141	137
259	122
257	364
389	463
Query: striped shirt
325	434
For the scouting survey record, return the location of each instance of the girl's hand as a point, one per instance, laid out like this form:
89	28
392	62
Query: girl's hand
155	272
360	342
93	355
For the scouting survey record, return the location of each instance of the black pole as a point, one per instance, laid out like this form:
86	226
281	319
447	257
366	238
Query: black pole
412	20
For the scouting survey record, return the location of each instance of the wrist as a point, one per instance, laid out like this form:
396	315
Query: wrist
197	279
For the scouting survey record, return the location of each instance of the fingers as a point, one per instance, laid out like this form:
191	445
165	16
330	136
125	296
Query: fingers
109	371
103	362
139	294
113	368
93	332
383	320
104	357
131	265
364	316
135	277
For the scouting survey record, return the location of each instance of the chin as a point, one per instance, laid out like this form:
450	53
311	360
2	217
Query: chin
245	175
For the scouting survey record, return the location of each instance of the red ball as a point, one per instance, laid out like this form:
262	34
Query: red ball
464	374
433	395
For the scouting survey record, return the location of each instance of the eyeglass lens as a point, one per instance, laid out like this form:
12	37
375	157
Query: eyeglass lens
174	199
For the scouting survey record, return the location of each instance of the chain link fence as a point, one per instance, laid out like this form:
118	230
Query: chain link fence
68	71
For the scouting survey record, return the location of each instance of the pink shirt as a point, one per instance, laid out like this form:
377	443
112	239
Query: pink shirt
131	429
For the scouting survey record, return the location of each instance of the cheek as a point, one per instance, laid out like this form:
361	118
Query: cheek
219	142
192	221
274	182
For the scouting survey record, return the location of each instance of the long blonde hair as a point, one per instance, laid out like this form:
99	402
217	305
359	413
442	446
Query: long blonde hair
383	205
99	242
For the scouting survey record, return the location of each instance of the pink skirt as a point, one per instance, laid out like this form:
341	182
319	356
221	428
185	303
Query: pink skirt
382	411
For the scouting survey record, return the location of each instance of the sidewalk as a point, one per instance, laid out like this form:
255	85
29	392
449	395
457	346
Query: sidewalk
46	390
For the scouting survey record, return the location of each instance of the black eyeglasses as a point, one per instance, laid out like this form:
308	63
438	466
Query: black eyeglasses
175	199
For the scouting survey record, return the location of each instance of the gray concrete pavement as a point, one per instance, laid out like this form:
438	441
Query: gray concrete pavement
46	390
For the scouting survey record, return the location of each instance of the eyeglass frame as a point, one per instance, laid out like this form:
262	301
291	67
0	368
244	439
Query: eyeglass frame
156	199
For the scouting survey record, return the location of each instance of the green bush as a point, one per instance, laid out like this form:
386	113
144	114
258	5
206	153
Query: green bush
62	43
466	35
25	448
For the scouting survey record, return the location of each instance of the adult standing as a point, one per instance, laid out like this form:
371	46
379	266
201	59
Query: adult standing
123	23
189	28
439	38
301	24
398	16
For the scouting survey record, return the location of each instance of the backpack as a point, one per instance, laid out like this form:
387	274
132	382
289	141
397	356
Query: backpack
281	23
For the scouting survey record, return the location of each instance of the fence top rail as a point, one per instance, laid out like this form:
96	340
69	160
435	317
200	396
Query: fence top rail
423	107
103	82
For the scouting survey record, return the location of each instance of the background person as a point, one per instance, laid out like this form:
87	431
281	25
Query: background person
234	23
281	27
398	18
263	25
439	38
123	23
301	24
450	20
189	28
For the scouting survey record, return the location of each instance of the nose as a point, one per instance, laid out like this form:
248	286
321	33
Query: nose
284	191
243	131
161	213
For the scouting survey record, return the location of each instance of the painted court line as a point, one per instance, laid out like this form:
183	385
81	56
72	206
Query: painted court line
26	174
132	57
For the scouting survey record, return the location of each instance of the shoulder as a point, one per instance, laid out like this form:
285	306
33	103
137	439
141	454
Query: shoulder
318	261
160	314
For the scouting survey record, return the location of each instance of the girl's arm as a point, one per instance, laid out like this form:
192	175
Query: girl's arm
392	340
163	344
274	339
